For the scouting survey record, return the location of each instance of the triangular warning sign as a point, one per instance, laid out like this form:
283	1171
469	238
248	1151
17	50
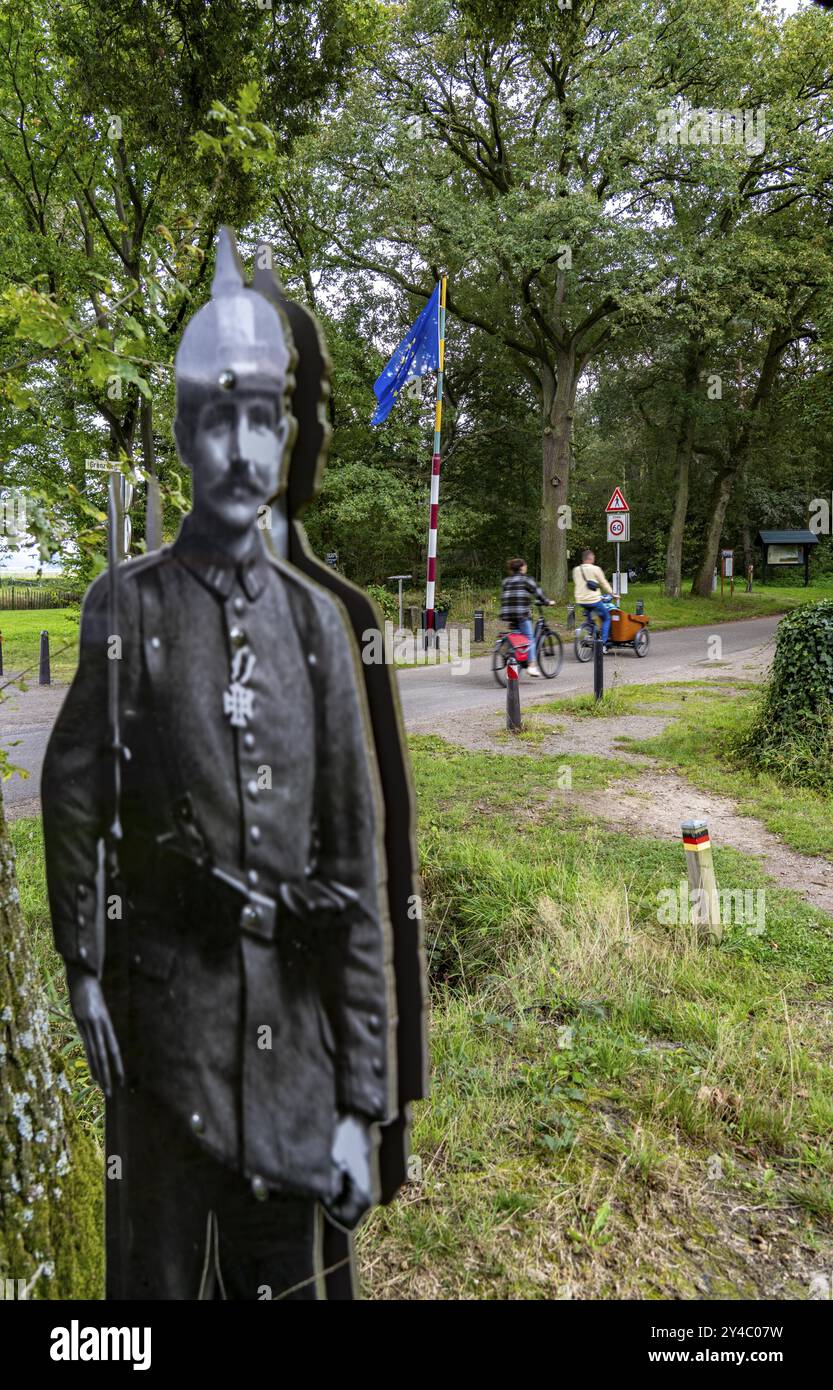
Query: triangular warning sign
617	502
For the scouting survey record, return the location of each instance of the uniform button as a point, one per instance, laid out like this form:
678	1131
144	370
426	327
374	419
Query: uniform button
253	876
248	740
239	604
312	659
137	959
82	890
378	1066
237	636
254	834
374	1023
197	1123
155	643
259	1189
251	788
82	951
249	915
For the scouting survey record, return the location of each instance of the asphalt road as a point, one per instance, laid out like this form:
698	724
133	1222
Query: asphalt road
428	693
685	653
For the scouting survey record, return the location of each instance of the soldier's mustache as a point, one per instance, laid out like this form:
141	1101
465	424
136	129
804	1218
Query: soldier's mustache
241	474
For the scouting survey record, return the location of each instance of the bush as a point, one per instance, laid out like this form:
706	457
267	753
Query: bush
792	736
384	599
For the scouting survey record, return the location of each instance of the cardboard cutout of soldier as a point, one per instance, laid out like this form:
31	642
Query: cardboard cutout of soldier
309	452
231	969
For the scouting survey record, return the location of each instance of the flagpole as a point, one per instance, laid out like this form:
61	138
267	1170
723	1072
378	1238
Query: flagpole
431	572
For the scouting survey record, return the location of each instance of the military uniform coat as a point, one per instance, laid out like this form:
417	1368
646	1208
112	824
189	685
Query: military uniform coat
249	767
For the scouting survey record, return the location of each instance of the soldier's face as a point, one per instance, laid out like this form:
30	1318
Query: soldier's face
235	457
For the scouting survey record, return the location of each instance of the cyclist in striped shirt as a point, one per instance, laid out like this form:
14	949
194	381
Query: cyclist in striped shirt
518	593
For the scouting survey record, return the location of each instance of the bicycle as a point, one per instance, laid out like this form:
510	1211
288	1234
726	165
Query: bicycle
546	646
632	627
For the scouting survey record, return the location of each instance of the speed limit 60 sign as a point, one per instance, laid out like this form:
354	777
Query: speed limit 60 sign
619	526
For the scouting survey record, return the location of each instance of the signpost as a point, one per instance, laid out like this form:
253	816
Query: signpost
122	491
401	578
618	530
727	570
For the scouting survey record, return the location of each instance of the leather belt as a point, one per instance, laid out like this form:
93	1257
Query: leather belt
258	914
224	902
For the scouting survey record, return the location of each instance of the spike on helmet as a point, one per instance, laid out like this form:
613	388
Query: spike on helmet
234	342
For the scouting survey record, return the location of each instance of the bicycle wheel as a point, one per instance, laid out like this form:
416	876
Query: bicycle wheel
500	655
550	654
640	642
583	643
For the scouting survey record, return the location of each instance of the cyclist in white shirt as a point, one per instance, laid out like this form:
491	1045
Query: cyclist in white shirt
590	583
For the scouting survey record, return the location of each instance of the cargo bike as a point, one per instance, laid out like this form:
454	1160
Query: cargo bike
626	630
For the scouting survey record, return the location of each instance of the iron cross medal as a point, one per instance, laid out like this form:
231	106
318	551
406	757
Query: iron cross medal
238	700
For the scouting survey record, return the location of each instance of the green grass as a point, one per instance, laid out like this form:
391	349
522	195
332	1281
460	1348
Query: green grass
21	629
616	1110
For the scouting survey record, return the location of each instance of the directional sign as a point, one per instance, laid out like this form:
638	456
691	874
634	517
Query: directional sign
618	527
617	502
126	489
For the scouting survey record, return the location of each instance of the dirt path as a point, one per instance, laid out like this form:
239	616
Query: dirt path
652	801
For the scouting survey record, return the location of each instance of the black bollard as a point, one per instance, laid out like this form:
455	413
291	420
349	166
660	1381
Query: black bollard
513	698
44	678
479	625
640	606
571	617
598	666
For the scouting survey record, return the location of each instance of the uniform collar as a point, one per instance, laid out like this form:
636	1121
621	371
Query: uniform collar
209	563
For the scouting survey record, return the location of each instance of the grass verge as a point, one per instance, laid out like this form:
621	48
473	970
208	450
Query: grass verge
616	1112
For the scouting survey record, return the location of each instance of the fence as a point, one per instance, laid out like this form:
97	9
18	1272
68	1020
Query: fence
20	596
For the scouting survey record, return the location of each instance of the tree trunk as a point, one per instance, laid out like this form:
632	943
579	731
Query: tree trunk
51	1184
683	452
727	477
721	492
748	548
153	513
559	394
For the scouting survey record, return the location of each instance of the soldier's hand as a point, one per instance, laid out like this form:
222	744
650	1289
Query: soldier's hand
308	896
87	1002
353	1155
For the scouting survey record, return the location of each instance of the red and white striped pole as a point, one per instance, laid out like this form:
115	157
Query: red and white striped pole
431	574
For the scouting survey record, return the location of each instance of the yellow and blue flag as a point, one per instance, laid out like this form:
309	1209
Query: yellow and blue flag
418	352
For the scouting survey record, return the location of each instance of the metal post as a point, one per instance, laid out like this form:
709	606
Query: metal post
401	578
640	607
598	665
1	653
479	625
705	901
618	575
44	677
513	697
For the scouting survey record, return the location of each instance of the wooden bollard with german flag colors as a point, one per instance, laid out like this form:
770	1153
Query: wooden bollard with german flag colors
703	894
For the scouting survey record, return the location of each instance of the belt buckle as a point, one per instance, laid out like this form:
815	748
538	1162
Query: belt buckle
257	917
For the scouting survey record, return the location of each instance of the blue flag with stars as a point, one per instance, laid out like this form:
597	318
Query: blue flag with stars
418	352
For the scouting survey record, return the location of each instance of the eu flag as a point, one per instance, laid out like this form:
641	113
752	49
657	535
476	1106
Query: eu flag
418	351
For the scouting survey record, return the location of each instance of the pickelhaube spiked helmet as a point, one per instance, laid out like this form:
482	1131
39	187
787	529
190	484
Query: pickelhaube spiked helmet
234	342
